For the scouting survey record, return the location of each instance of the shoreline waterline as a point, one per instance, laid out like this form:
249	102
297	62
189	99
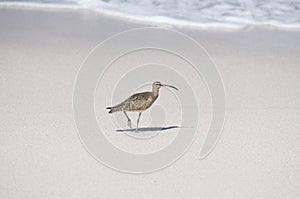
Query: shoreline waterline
156	21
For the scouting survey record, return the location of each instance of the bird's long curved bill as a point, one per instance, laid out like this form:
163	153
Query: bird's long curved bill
170	86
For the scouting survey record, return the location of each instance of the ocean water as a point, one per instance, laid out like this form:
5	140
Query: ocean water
201	13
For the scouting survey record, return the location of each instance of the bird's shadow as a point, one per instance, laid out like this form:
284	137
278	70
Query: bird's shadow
150	129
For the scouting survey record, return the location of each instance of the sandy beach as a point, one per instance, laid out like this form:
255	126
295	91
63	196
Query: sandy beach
41	156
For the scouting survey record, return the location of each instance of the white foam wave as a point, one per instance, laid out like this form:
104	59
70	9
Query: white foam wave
194	13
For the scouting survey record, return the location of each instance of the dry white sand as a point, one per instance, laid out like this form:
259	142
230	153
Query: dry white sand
257	156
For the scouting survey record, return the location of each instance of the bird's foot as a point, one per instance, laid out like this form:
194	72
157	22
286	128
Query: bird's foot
137	130
129	123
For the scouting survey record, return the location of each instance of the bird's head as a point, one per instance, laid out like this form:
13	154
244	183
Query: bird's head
157	85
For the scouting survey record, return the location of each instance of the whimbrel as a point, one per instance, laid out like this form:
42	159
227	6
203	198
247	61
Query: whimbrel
139	102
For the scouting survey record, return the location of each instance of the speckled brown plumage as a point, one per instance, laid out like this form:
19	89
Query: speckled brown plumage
136	102
139	102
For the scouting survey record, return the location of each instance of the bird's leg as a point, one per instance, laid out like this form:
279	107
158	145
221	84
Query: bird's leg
138	121
129	121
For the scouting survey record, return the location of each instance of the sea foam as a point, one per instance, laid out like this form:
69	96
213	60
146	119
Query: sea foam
201	13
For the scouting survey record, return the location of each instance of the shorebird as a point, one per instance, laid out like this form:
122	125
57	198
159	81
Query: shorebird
139	102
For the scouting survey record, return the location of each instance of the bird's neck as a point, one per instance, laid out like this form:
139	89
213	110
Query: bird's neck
155	91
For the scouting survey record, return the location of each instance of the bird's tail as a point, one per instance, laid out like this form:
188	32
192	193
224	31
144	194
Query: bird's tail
110	109
117	108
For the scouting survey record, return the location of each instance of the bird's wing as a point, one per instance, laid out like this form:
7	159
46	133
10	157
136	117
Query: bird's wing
140	100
